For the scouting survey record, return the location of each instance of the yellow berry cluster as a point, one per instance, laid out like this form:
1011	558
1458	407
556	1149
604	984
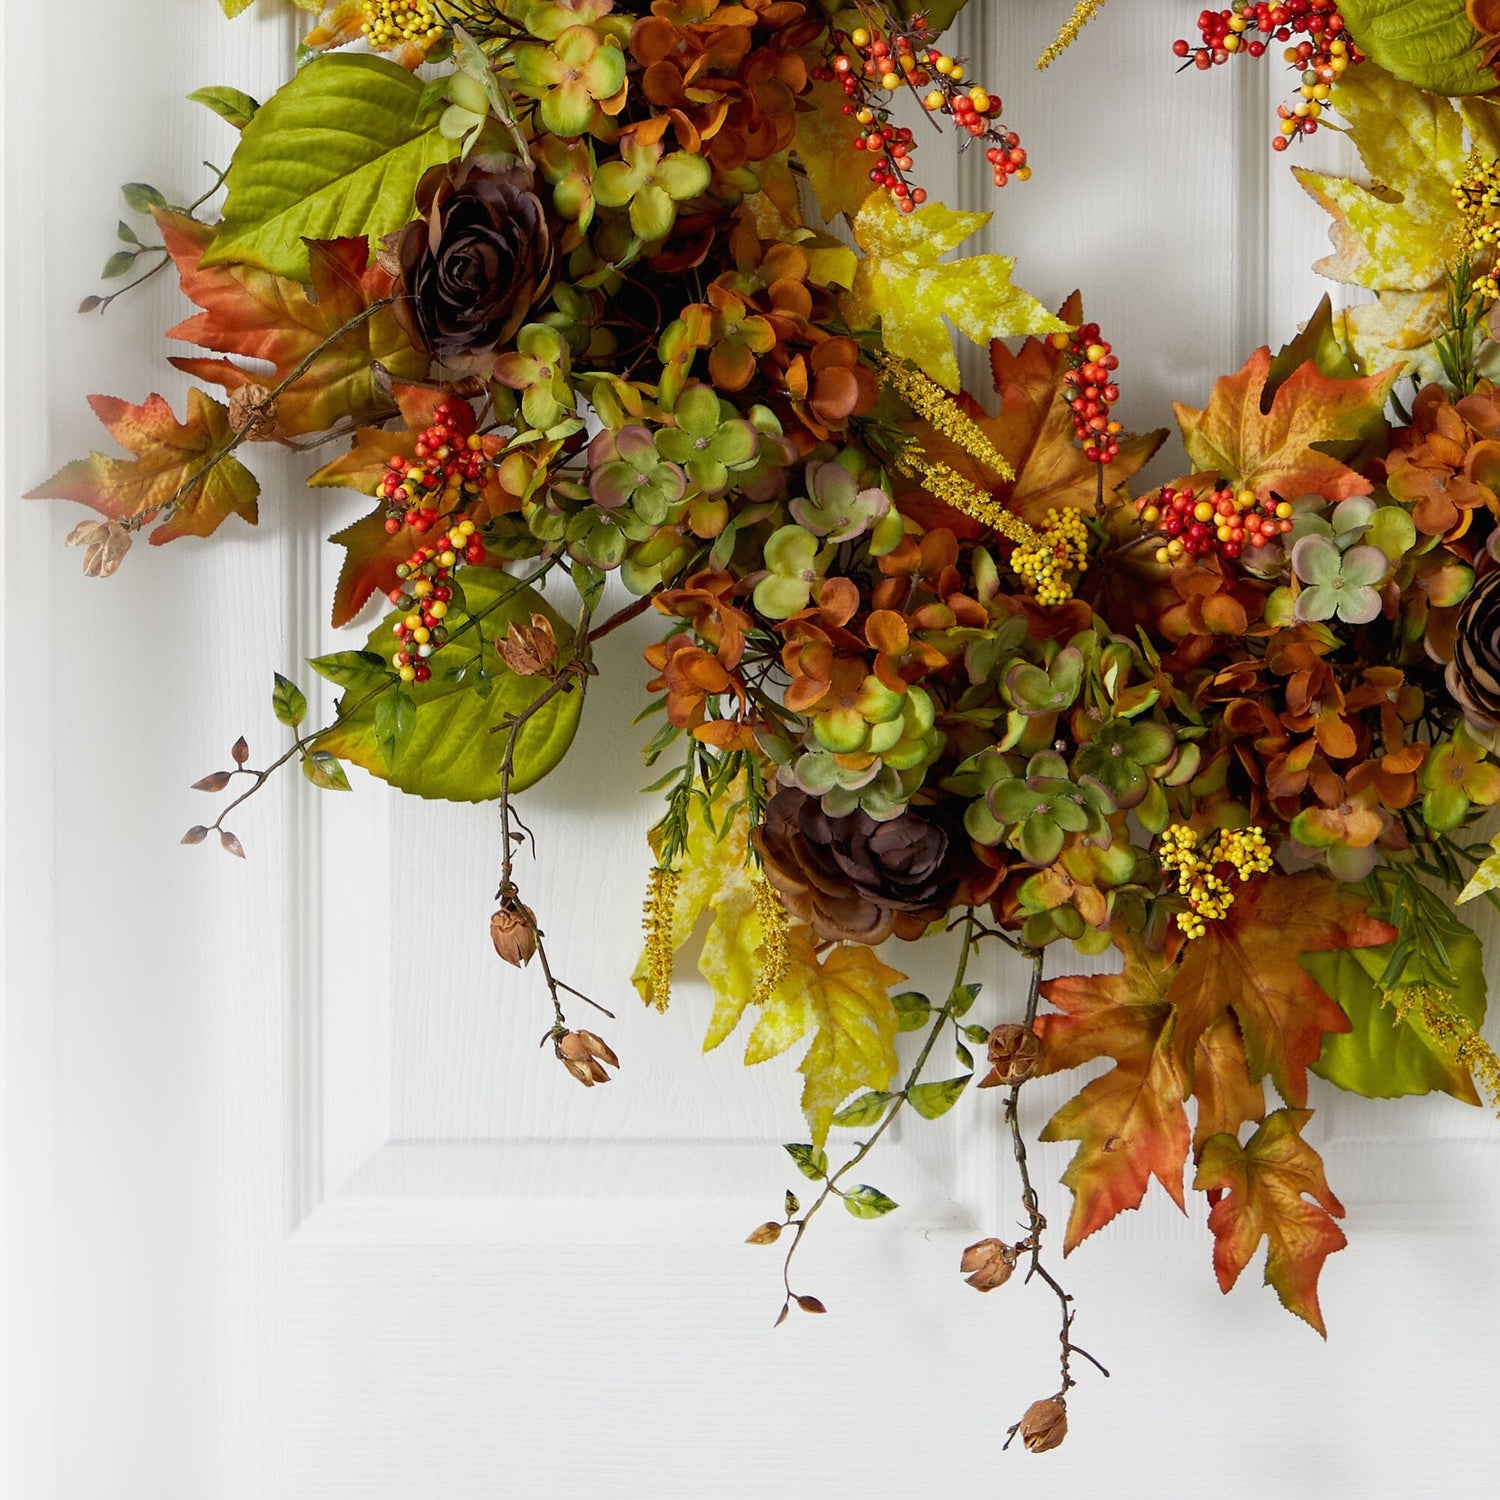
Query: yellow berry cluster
1196	861
1477	196
400	23
1061	548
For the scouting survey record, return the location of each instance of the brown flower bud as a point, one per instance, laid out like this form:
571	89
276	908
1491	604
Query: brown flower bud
252	410
988	1264
107	543
583	1054
1015	1055
529	650
513	932
1044	1425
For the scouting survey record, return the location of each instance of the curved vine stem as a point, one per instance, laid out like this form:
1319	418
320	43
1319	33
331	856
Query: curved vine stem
897	1103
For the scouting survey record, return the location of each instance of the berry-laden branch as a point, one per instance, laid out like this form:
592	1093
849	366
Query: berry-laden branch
958	999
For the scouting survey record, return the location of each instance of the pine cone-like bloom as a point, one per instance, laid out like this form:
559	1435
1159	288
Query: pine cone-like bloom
1015	1054
853	879
1474	672
475	264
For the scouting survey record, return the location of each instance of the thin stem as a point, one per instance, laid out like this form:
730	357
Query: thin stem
894	1108
1036	1222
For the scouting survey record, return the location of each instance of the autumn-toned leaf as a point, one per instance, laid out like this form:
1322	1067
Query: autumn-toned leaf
261	316
1267	446
843	999
904	285
1034	431
1267	1183
1225	1093
824	144
1247	963
1130	1124
1398	232
178	471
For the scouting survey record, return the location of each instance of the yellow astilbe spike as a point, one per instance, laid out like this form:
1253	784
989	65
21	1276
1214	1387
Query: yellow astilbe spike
953	489
773	924
932	403
1455	1032
1083	13
661	901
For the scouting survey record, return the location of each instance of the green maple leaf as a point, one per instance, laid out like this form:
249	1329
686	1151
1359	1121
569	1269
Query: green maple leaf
904	285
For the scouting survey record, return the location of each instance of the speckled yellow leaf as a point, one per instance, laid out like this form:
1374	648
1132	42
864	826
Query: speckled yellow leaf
902	286
1397	232
824	144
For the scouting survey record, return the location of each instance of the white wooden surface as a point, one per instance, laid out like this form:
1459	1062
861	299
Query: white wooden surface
294	1206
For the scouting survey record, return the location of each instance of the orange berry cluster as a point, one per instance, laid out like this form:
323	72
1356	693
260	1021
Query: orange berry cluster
449	468
871	65
425	592
1321	55
1092	391
1195	524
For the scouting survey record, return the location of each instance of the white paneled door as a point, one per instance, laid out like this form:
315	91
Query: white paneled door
294	1205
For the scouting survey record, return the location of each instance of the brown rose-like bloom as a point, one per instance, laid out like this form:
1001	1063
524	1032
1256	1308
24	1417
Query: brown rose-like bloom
1474	672
853	879
475	264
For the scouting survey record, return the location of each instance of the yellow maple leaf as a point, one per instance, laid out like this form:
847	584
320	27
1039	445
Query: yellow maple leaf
843	999
1397	234
902	286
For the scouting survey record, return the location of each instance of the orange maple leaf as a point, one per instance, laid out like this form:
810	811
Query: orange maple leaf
1267	1183
1034	430
181	471
1267	445
1130	1124
257	315
1246	963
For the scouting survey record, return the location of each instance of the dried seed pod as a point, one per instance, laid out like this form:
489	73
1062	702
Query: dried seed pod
513	932
988	1264
106	542
1044	1425
252	410
583	1054
1015	1054
529	650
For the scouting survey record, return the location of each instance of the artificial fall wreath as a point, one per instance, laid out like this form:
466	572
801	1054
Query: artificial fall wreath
572	298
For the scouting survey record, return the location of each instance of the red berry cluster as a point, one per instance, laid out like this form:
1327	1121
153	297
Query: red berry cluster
1195	523
449	467
870	66
425	592
1092	391
1323	53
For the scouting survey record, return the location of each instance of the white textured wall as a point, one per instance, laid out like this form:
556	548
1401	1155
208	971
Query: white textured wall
294	1204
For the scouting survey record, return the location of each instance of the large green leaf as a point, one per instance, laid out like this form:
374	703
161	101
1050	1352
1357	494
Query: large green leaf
452	747
1384	1056
1426	42
335	153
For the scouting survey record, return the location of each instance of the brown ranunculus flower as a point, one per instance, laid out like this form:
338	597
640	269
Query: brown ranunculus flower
853	879
1474	672
475	264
